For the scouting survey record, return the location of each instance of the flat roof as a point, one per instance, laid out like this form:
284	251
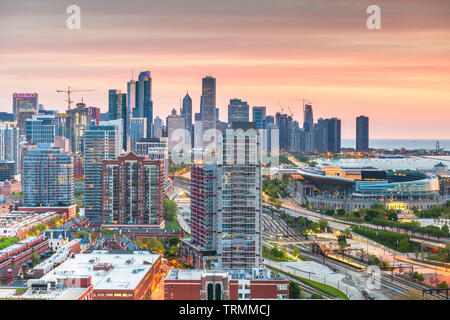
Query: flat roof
126	272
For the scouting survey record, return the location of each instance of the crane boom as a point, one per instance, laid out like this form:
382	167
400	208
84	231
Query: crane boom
69	91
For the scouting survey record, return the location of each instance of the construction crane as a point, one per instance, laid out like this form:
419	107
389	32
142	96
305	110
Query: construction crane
69	91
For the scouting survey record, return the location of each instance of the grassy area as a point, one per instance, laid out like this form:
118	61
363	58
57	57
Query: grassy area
21	291
332	291
8	241
275	254
172	224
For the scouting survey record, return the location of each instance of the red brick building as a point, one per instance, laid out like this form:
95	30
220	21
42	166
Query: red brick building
132	191
10	186
66	213
224	285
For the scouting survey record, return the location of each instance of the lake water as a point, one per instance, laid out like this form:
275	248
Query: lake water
400	143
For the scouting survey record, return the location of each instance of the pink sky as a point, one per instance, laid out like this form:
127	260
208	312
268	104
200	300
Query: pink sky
264	52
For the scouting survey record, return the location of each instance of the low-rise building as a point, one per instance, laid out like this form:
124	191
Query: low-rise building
115	275
198	284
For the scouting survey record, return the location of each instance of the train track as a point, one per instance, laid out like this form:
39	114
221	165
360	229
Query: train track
399	284
305	287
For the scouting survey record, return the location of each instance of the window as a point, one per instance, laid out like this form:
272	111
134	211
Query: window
281	287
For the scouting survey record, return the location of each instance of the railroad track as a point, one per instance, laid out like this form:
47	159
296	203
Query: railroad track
399	284
305	287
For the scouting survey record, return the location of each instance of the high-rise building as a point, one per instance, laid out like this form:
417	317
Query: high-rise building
118	110
334	135
176	130
94	114
41	129
362	133
203	220
6	117
78	124
238	110
284	124
10	144
132	191
154	149
240	198
308	119
144	100
101	142
158	127
47	178
322	135
208	105
25	100
186	111
23	114
198	131
259	117
138	130
7	170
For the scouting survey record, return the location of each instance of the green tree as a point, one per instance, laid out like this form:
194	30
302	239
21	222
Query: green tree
403	245
443	285
315	226
294	290
170	209
323	224
444	230
173	241
35	257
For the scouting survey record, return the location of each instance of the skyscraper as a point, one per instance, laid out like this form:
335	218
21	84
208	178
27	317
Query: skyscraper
176	130
138	130
334	135
154	149
101	142
132	191
259	117
41	129
118	110
322	135
240	199
10	144
47	177
284	124
208	104
187	111
144	100
25	100
78	124
362	133
308	119
238	110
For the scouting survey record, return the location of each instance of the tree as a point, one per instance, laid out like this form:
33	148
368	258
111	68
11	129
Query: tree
173	241
443	285
35	257
294	290
295	252
403	245
418	276
170	209
392	215
315	226
323	224
444	230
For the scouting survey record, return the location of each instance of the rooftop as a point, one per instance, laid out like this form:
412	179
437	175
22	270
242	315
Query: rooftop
124	271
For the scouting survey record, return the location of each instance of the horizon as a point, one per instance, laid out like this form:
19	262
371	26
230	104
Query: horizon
265	54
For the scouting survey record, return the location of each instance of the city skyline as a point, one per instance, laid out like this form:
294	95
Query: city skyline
397	76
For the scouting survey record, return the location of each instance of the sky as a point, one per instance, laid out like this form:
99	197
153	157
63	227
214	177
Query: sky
270	53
